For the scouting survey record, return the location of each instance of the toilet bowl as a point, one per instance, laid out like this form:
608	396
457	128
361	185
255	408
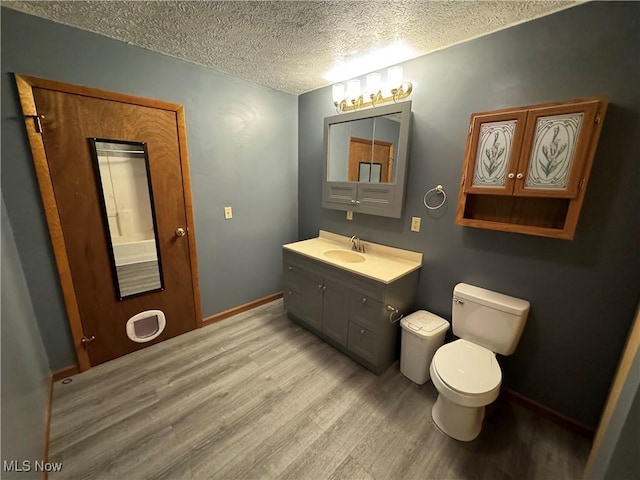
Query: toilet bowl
465	372
467	377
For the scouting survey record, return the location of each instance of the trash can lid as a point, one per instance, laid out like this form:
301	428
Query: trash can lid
424	324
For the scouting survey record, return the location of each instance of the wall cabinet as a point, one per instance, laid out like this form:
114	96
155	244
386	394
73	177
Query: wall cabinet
348	311
366	154
526	169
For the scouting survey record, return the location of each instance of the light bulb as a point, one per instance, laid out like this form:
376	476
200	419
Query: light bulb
338	92
394	77
373	83
353	89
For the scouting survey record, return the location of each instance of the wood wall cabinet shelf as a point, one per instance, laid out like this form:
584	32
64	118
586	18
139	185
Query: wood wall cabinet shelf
346	310
526	169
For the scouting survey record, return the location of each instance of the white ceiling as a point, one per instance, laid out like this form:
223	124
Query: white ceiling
288	45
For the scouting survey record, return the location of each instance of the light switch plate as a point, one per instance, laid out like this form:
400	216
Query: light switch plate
349	215
415	224
228	213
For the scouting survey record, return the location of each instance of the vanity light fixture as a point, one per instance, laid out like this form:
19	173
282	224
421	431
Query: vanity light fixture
376	93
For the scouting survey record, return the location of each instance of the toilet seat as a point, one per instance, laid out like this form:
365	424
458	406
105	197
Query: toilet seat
467	368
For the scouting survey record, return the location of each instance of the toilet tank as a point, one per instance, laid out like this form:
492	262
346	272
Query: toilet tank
490	319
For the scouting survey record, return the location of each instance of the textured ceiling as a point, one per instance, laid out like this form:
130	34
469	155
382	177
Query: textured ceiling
288	45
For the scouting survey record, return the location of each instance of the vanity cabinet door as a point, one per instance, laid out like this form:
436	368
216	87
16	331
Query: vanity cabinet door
291	287
335	314
363	342
309	301
366	312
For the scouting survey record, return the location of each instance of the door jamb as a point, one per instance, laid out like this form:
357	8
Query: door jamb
25	85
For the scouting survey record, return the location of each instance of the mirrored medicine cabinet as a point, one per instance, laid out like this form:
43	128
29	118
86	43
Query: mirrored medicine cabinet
366	154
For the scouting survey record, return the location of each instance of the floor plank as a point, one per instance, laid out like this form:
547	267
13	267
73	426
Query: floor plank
257	396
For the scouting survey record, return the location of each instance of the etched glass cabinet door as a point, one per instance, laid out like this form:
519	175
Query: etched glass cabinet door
554	150
494	152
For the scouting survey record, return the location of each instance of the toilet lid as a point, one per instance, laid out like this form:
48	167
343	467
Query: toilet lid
467	367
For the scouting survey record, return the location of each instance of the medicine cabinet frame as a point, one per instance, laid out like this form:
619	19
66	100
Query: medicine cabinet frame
382	199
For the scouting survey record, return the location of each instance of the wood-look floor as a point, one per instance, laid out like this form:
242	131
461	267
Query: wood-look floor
138	277
257	396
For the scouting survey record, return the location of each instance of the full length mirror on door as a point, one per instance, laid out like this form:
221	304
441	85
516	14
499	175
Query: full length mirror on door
122	170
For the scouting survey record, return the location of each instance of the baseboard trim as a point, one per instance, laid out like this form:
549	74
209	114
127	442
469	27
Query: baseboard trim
47	426
64	372
544	411
240	309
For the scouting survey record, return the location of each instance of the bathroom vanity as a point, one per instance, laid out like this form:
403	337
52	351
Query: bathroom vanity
352	300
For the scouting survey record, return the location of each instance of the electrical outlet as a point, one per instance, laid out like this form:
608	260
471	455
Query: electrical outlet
349	215
228	213
415	224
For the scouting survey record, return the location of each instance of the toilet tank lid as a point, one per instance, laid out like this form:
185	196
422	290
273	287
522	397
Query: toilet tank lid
496	300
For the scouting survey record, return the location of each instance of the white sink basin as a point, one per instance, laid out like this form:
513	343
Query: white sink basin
346	256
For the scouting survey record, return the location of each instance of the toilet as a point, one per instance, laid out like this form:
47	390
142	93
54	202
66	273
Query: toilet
465	372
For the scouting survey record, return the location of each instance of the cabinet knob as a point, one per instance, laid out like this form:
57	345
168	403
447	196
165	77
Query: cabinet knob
353	202
290	268
519	176
511	175
357	202
324	288
320	287
364	300
361	332
290	292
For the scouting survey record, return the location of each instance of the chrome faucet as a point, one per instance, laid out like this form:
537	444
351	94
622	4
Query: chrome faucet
356	244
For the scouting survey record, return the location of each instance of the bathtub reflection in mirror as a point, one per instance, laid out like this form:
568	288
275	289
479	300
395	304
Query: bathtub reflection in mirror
122	171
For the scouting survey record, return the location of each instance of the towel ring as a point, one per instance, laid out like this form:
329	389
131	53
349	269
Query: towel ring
440	191
394	311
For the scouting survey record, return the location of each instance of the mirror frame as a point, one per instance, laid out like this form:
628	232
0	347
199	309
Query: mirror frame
105	216
382	199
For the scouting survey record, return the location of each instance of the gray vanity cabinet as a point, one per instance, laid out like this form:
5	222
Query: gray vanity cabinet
303	295
347	310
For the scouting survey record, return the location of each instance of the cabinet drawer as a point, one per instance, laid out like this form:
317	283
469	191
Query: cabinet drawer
290	277
363	342
291	300
366	312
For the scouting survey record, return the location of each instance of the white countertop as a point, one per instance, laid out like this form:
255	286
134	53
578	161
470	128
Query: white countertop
382	263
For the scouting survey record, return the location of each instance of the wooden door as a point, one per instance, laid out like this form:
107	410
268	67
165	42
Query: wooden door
362	150
68	117
554	150
493	150
359	152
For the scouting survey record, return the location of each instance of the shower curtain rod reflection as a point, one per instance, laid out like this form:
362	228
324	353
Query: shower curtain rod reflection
106	150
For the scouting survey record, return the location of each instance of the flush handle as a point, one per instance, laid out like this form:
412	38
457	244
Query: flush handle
458	301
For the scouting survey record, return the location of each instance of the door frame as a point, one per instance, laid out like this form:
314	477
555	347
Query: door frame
25	85
600	450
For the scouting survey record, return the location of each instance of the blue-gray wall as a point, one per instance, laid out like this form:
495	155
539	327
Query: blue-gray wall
25	372
583	292
242	150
